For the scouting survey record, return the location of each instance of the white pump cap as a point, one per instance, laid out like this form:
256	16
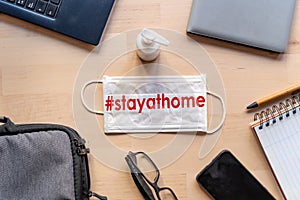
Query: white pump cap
152	36
148	43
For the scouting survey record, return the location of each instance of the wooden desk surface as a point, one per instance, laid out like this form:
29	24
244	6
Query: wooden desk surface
39	67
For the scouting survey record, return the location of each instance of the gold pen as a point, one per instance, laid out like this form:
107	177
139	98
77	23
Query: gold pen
288	91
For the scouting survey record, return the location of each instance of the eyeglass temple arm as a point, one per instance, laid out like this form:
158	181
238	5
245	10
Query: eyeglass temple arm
139	181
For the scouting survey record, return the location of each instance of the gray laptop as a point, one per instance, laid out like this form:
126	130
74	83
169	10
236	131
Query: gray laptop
259	23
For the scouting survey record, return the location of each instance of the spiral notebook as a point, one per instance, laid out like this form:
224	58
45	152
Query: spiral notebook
278	131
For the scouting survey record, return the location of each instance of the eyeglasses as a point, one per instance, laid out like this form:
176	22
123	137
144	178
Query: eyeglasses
144	173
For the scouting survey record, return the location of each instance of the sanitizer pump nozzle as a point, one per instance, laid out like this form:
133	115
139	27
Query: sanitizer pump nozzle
148	43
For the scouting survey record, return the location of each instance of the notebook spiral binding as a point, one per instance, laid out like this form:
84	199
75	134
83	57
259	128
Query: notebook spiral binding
268	116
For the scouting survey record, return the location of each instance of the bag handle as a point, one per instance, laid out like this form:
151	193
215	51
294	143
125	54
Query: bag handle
8	126
93	194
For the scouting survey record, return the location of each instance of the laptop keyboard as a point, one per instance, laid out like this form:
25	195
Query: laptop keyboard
84	20
48	8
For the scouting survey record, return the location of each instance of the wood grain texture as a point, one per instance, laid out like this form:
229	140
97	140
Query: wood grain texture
38	68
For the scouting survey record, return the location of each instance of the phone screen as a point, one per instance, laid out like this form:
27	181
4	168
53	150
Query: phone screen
226	178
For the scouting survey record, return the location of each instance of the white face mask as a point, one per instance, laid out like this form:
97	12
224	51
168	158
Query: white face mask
154	104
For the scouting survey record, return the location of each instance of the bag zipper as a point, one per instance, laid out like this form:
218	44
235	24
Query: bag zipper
81	150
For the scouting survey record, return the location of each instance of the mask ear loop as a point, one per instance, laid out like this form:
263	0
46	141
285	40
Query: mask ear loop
82	96
223	116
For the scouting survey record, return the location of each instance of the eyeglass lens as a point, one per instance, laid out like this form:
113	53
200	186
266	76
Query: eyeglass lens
147	167
166	194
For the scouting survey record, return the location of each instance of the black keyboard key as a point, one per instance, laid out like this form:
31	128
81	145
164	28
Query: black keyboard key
31	4
51	10
41	6
21	2
55	1
11	1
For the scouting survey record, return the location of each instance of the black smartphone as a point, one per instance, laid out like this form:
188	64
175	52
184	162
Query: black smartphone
226	178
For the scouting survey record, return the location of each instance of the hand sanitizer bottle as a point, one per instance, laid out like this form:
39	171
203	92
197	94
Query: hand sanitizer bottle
148	43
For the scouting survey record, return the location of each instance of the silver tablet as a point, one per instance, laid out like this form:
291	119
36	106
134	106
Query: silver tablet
260	23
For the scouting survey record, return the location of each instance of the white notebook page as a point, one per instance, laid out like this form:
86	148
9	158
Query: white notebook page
281	144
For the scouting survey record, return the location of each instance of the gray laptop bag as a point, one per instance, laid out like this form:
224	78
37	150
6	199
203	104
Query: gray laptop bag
43	161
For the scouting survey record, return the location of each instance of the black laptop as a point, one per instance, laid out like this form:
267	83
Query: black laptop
81	19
